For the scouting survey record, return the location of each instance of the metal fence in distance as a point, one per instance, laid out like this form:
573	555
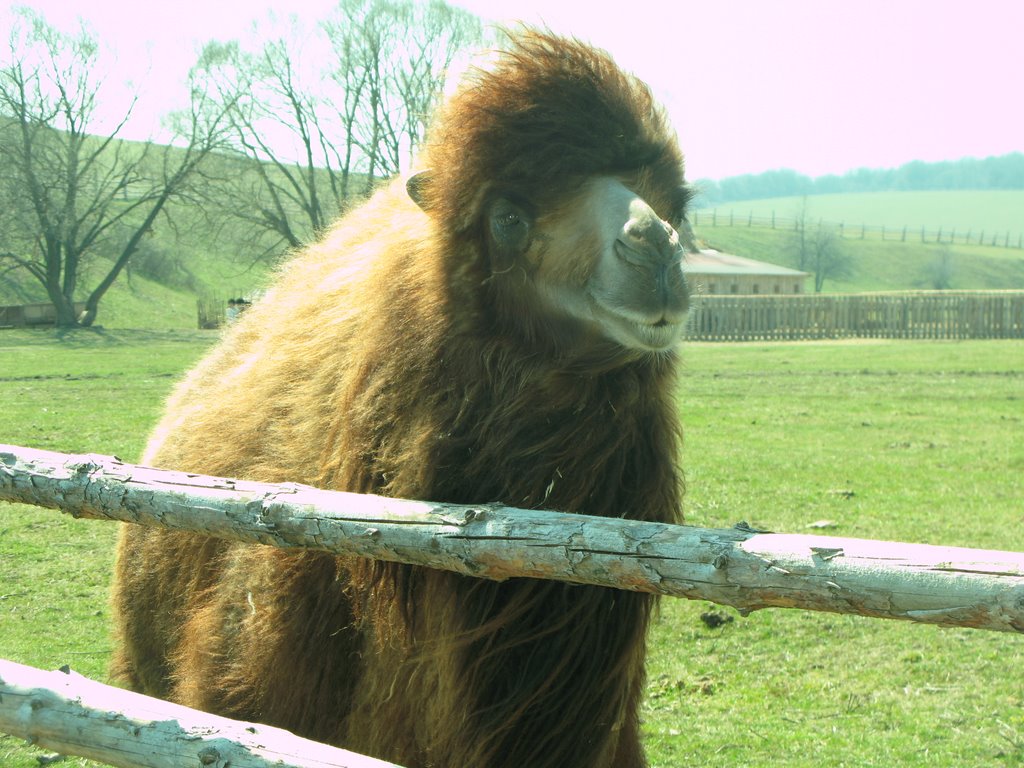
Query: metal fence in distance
860	231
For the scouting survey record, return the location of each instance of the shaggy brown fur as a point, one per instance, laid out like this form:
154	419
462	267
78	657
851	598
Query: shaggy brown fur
405	355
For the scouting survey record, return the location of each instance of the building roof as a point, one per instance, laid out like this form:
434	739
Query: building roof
711	262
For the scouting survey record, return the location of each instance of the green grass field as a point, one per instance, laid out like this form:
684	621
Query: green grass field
927	439
923	439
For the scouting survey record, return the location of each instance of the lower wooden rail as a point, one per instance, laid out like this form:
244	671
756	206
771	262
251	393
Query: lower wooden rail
73	715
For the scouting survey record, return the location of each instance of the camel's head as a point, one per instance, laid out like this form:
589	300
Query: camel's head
563	172
604	259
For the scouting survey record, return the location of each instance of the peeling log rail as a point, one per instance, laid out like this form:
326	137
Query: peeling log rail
66	712
740	567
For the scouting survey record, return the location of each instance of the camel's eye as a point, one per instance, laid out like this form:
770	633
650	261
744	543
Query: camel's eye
508	219
510	225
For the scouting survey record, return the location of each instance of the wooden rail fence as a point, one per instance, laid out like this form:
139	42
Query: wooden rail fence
912	315
742	567
65	712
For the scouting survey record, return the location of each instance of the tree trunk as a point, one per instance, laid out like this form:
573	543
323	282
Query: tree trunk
92	303
66	317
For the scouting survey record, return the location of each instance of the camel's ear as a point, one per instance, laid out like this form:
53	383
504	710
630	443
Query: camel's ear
417	185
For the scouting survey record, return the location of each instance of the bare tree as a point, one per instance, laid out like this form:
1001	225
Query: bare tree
437	33
77	198
799	240
368	35
940	271
828	259
322	136
817	248
282	179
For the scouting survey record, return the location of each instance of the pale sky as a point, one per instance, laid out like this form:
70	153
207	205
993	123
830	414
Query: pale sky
819	86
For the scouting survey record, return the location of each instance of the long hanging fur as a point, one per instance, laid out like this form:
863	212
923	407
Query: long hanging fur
391	358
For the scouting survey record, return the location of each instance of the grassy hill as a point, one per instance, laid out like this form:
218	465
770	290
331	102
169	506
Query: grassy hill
990	211
193	251
145	303
178	264
877	265
890	264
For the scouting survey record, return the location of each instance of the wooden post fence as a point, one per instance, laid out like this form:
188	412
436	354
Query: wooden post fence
904	315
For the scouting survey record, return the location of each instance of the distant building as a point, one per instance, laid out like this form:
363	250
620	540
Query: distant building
714	273
29	315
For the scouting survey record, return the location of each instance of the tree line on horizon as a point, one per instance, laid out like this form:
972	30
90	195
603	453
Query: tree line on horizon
990	173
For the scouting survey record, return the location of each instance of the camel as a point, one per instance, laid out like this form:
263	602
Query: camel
502	326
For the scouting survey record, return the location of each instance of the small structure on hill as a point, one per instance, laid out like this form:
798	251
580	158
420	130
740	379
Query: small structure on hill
33	315
712	272
215	312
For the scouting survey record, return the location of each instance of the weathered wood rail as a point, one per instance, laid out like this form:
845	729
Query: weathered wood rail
912	315
740	567
68	713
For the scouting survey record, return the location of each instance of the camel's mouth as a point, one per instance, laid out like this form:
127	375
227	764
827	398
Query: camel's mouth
639	330
659	336
641	334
